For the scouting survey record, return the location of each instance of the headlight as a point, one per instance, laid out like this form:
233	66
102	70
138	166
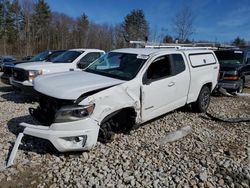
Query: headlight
33	74
67	114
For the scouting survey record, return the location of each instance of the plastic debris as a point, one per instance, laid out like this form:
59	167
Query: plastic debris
14	150
176	135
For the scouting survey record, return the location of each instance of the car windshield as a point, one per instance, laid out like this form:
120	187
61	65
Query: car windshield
67	57
41	56
230	57
5	60
122	66
54	55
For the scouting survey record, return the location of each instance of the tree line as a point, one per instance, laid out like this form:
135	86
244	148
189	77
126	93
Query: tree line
28	27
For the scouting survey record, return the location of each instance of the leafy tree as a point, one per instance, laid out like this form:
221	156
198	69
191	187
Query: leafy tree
240	42
135	26
183	23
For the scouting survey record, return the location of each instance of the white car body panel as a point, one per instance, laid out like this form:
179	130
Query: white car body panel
66	86
148	101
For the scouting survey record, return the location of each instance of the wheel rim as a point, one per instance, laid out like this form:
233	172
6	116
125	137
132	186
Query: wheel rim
205	100
240	90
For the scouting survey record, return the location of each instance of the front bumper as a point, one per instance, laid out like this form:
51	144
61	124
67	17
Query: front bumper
25	87
232	85
71	136
5	79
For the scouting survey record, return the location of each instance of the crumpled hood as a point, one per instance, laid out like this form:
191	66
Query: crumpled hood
71	85
36	65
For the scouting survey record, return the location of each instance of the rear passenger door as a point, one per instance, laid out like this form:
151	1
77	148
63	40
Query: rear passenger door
165	85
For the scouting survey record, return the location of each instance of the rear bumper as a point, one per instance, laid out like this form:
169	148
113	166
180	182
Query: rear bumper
71	136
233	85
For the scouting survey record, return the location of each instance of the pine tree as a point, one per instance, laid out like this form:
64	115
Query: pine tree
135	26
82	29
240	42
40	23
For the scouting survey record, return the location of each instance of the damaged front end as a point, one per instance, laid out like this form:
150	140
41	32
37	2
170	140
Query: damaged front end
66	124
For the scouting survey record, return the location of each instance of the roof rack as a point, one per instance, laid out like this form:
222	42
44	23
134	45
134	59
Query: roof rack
195	46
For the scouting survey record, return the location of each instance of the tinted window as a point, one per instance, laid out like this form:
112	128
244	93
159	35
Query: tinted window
178	63
160	68
53	55
41	56
229	57
90	57
67	57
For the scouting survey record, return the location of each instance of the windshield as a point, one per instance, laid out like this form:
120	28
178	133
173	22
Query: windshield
229	57
41	56
117	65
8	60
54	55
67	57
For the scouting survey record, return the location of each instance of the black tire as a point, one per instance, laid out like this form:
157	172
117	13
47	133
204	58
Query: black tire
203	100
105	132
241	87
119	123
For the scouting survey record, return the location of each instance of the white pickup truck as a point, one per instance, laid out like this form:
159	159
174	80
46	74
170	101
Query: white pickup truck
122	88
70	60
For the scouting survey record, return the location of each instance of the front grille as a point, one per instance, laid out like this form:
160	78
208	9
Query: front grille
48	107
20	74
8	71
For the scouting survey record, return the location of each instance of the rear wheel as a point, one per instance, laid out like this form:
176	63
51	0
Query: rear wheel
203	100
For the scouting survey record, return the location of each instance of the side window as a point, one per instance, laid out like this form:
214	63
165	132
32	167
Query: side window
159	69
88	58
178	63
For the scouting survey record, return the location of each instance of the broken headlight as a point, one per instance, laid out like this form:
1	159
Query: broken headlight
33	74
67	114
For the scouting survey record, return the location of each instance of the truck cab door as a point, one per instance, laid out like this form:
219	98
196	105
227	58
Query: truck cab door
160	87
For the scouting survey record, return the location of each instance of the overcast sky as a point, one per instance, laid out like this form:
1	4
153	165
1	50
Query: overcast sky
215	20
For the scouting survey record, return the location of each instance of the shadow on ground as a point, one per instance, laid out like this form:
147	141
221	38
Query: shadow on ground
6	88
18	97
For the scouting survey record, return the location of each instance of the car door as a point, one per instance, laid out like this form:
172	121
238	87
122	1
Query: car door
161	90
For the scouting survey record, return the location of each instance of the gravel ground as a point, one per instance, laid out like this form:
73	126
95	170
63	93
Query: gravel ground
214	154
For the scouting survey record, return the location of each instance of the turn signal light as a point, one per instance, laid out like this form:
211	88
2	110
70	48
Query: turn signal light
231	78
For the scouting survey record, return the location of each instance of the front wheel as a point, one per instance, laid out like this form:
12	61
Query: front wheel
241	87
203	100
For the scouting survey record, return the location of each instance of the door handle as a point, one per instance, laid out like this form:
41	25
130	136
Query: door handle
171	84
